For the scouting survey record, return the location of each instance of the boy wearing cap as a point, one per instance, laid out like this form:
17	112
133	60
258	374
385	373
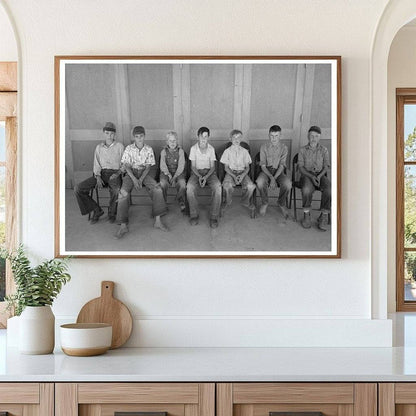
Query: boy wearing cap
172	168
273	157
106	172
136	162
202	157
236	160
313	164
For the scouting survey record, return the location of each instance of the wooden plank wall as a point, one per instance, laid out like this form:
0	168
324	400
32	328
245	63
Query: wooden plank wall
249	97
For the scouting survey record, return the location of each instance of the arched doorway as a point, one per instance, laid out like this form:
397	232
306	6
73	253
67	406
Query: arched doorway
396	14
8	149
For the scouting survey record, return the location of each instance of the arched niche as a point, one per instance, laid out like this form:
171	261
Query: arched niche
396	14
400	74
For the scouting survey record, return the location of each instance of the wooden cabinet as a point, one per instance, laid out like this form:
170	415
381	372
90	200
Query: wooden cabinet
263	399
106	399
397	399
208	399
27	399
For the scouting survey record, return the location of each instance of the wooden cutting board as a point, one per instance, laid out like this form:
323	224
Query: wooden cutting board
107	309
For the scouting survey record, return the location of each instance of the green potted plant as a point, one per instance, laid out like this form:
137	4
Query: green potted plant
36	289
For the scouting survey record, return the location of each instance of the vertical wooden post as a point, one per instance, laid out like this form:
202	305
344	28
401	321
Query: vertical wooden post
186	106
11	205
386	399
69	161
298	108
224	399
123	104
177	102
47	399
246	101
66	399
307	104
238	96
365	399
207	399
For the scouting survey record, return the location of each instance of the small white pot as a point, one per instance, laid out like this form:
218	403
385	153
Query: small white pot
37	330
86	339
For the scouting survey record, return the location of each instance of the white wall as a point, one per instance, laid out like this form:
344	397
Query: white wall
179	302
8	46
401	74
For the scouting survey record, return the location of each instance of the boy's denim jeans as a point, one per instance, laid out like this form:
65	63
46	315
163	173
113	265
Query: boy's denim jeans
216	191
247	186
83	189
155	192
308	188
284	183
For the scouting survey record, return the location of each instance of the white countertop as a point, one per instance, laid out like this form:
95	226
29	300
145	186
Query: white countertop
213	364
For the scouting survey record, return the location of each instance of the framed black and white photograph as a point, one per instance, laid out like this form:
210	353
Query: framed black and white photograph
198	156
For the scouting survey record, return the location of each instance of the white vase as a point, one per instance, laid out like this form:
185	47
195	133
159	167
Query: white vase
37	330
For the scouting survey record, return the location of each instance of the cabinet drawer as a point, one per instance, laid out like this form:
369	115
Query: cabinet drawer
19	393
397	399
296	399
107	399
21	399
138	393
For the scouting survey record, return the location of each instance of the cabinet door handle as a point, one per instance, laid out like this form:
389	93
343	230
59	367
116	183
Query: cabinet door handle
138	414
296	414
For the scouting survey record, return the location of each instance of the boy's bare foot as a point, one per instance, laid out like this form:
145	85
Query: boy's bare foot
121	231
224	208
194	220
263	209
213	223
284	212
159	224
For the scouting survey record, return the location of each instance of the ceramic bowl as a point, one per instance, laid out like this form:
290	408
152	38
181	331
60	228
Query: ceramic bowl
83	340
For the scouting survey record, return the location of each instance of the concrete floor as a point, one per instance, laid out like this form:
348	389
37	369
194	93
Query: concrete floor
236	231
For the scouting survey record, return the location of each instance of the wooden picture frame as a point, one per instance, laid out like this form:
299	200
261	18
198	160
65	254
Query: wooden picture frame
182	94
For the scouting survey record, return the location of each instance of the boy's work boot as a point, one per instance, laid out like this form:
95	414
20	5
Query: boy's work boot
322	221
306	222
98	212
121	231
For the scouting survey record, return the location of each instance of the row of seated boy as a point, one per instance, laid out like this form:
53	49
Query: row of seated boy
122	170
